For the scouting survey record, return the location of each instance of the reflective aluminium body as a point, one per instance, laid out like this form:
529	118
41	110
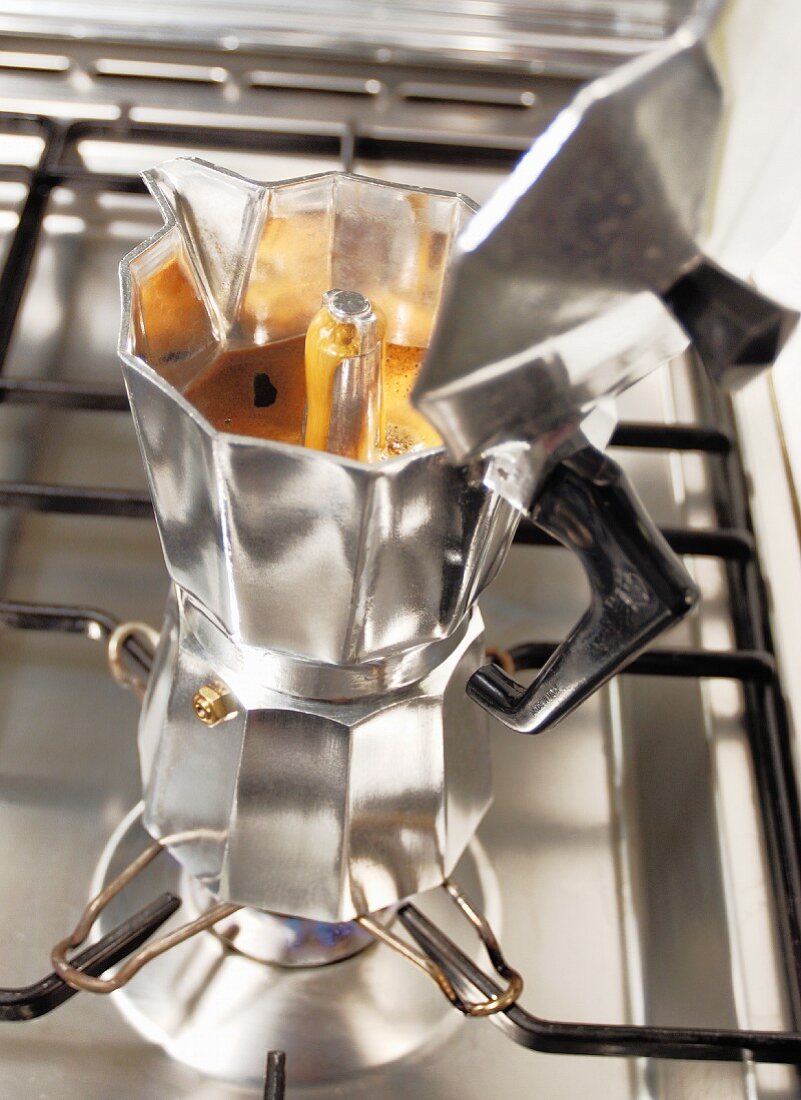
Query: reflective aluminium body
330	601
324	626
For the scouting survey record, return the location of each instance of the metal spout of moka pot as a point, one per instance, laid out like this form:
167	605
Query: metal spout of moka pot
628	230
344	360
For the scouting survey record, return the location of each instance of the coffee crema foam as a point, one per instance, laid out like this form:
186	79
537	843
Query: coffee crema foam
235	396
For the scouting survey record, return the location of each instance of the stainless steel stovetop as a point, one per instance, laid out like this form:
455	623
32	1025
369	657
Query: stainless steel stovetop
633	877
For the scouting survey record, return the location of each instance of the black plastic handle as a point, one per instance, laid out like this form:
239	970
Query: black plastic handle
639	587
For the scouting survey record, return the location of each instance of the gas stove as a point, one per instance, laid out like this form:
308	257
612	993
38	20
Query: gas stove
640	864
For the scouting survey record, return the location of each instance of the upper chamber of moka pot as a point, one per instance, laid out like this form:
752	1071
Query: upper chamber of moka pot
295	550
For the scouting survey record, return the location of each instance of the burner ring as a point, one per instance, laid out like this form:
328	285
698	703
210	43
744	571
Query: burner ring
272	939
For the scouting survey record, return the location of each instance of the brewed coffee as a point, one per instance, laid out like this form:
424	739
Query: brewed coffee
226	394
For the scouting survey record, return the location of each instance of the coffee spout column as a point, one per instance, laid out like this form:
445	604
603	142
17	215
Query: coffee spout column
306	740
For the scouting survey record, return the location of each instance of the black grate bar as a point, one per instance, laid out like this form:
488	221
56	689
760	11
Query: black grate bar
14	173
321	141
80	179
15	122
671	437
748	666
720	543
89	395
76	501
17	267
769	734
63	395
378	147
87	622
554	1037
275	1075
740	665
32	1001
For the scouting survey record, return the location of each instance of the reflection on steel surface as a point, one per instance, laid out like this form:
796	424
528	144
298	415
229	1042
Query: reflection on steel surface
583	37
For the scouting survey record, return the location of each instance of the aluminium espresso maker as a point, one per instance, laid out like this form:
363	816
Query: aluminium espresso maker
326	605
314	740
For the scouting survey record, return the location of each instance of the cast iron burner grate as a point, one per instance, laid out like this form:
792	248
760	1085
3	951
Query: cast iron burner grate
751	663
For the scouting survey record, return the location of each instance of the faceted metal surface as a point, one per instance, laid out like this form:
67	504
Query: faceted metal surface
398	551
322	808
331	598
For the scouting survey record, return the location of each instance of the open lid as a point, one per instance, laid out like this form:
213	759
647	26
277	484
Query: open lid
587	268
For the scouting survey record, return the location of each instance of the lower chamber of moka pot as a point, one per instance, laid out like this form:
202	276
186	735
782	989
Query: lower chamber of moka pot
334	1002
